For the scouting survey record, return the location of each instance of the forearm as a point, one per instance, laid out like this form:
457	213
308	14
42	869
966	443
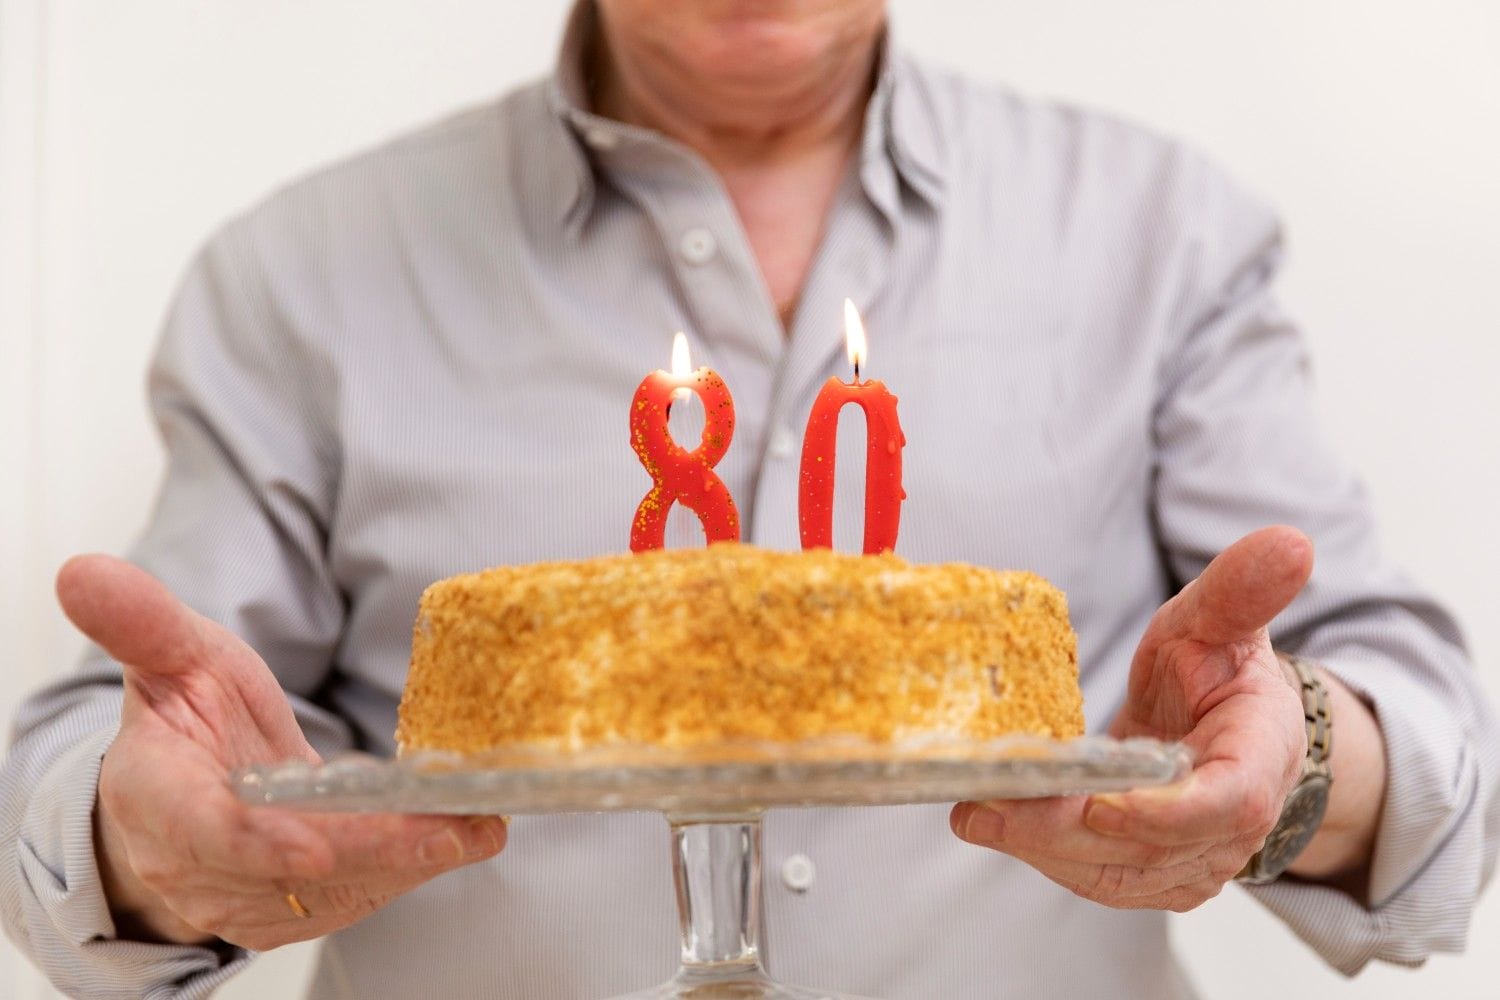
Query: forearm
1339	854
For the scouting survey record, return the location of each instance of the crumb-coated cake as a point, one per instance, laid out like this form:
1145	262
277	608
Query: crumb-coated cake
729	642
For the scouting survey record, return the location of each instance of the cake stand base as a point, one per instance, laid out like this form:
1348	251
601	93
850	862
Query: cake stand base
756	988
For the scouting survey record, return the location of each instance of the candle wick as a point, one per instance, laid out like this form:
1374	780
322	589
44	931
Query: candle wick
856	372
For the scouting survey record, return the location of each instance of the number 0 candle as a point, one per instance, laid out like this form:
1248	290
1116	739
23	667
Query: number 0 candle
884	441
679	475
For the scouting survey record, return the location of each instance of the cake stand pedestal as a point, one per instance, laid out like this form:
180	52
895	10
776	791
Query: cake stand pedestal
716	868
713	798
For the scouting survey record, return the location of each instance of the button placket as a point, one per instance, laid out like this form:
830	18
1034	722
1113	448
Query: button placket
851	263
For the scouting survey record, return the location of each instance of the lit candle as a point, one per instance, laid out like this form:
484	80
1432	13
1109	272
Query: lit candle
884	441
679	475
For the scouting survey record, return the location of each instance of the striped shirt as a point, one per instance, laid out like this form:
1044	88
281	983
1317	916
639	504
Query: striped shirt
417	363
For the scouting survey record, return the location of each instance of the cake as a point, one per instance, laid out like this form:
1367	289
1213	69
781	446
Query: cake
728	644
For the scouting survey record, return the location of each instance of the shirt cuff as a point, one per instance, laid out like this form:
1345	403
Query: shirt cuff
1427	866
71	933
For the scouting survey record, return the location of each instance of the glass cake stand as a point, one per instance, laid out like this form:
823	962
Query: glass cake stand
713	799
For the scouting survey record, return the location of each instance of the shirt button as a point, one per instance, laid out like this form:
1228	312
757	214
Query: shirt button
601	138
783	443
698	246
797	873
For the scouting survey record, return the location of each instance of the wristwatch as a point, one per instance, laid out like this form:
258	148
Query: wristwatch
1308	800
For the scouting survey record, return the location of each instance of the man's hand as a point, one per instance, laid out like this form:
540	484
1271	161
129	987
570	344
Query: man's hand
1204	674
181	857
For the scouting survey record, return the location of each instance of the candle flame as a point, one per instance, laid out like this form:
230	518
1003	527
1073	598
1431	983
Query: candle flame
682	365
854	338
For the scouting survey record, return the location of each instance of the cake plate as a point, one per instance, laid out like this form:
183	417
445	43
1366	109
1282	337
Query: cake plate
713	799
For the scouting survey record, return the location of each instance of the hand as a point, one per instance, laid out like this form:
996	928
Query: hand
182	859
1204	674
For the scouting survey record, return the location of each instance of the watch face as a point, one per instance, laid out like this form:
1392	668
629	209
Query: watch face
1300	817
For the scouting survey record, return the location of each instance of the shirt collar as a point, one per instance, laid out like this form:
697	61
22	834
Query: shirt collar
901	141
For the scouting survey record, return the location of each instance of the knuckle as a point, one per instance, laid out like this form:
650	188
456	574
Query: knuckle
111	796
1184	902
1225	866
423	856
212	916
396	854
1191	897
1076	888
351	899
1111	880
158	873
370	902
339	897
1155	856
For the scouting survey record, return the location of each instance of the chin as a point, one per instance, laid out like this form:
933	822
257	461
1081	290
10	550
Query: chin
753	40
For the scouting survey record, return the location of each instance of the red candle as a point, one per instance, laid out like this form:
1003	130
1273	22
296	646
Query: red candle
884	441
676	473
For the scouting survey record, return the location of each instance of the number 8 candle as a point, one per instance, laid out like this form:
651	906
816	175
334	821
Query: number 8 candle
884	441
676	473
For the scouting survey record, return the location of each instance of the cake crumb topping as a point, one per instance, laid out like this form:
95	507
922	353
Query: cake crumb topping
731	642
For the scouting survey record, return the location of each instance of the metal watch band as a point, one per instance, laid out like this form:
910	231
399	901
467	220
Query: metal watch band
1305	804
1315	710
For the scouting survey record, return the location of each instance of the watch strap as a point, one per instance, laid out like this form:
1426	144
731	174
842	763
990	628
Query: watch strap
1315	710
1305	803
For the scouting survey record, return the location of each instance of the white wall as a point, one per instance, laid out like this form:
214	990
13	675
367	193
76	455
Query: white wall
127	131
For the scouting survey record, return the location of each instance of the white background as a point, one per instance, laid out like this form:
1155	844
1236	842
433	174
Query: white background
129	130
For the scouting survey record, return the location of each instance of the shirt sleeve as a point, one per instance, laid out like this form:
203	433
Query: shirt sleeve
1238	448
238	533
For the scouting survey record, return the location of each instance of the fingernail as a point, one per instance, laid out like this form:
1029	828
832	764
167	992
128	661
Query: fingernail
441	848
983	826
1102	817
488	832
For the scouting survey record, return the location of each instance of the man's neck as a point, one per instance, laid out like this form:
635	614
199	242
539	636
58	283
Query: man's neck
760	119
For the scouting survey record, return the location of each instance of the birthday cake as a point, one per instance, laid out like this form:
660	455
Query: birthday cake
731	644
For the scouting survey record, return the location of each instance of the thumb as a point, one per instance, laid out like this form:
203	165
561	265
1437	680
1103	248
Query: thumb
1246	586
136	619
160	642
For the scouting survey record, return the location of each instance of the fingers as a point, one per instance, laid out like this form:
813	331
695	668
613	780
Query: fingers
1219	801
368	874
393	846
1054	828
1168	847
384	856
1155	827
1246	586
1116	871
1179	899
1121	885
